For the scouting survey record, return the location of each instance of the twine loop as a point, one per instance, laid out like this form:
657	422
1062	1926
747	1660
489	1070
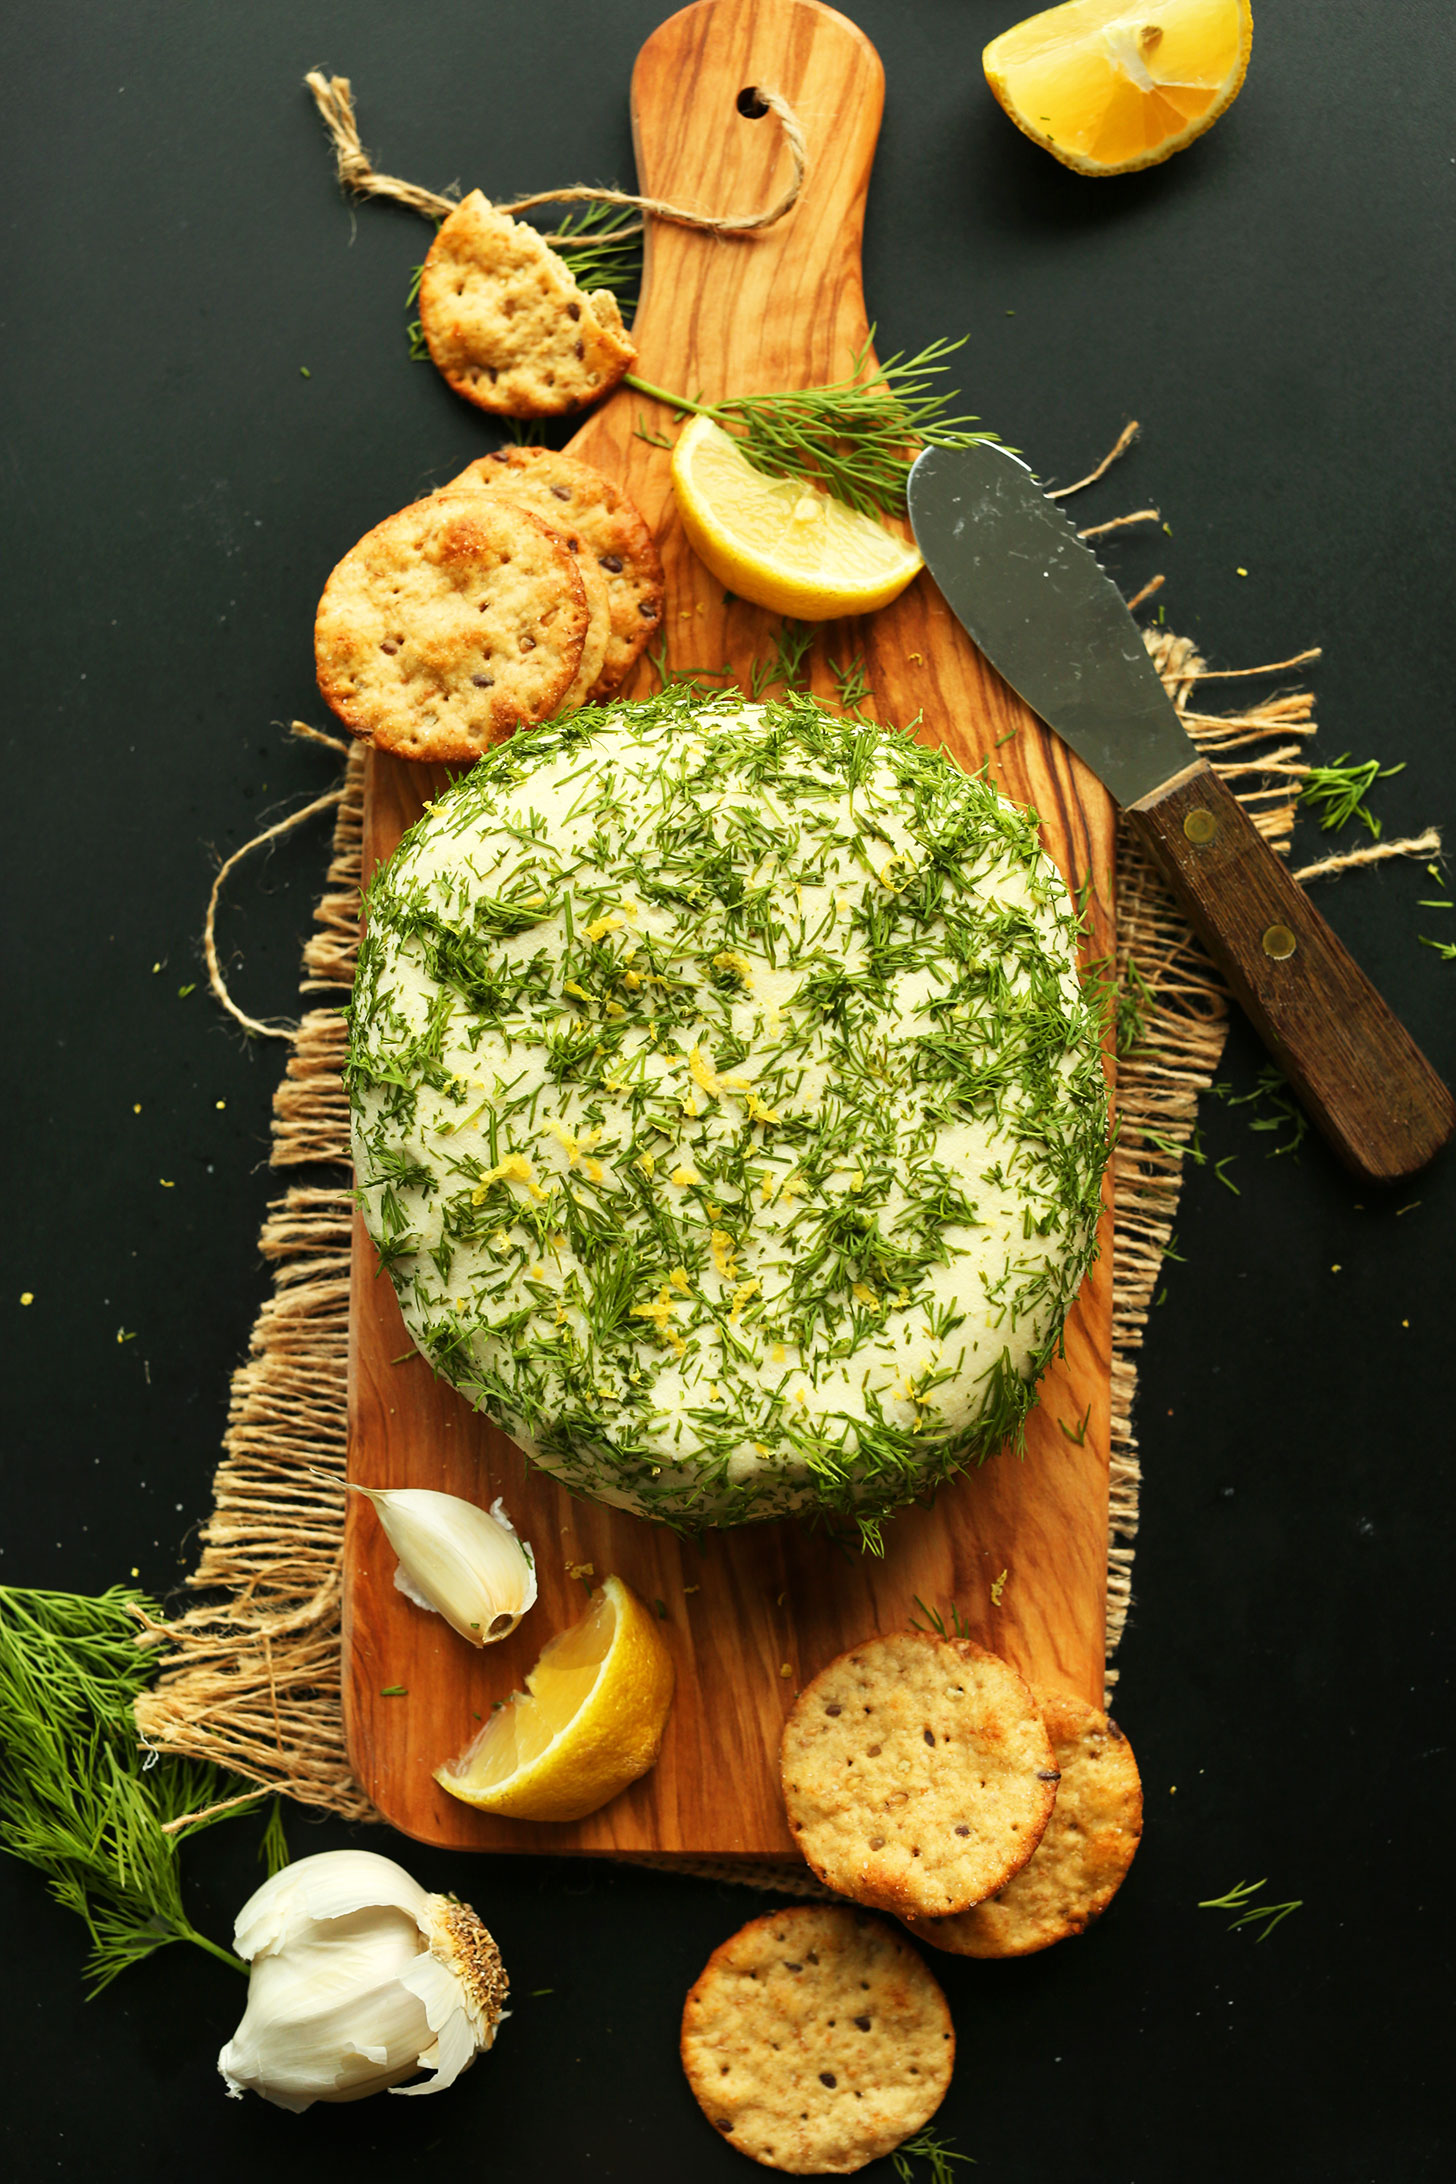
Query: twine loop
334	98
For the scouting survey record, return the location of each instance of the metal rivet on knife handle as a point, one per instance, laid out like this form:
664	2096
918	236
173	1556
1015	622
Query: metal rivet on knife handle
1279	942
1200	826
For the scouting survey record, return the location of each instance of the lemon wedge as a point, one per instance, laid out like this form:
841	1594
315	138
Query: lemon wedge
589	1721
779	541
1107	88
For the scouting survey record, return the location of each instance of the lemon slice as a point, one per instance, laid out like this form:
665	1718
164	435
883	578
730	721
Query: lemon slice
589	1721
779	541
1106	87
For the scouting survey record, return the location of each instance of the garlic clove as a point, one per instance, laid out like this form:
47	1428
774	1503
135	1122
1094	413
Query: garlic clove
457	1559
327	1886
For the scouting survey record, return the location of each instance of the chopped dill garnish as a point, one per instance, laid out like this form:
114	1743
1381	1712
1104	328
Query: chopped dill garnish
852	685
934	1620
1445	949
1338	792
784	668
1227	1180
1285	1118
1239	1898
1135	1004
1079	1438
927	2145
653	439
79	1798
856	438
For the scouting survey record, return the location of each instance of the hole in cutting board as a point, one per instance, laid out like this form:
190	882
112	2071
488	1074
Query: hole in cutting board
749	104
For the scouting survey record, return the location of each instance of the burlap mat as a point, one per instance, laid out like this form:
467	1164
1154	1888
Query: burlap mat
251	1673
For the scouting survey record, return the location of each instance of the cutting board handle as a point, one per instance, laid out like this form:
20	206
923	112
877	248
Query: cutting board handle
724	315
1367	1086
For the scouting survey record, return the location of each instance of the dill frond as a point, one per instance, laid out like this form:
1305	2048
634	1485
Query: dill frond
79	1798
856	438
602	250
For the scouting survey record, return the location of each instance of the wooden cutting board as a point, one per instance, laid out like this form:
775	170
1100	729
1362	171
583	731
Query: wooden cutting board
1019	1546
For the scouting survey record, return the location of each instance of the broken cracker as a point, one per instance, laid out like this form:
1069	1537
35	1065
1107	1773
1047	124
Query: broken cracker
508	326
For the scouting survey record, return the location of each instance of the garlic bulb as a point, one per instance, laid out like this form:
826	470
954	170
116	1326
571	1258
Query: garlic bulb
359	1978
458	1560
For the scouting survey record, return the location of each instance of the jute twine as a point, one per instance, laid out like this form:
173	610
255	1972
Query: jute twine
334	98
250	1674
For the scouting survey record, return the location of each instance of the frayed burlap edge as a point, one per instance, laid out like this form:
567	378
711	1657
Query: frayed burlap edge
251	1674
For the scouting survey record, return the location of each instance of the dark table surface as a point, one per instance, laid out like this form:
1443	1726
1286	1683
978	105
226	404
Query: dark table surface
1274	305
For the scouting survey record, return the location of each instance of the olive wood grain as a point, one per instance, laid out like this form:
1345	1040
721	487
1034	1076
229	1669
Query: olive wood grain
1366	1084
1021	1545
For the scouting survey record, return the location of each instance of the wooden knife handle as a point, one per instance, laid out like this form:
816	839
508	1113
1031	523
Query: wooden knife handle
1366	1085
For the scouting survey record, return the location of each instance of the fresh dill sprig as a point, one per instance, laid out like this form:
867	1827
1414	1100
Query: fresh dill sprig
1445	949
273	1850
1239	1898
1338	792
927	2145
601	250
79	1799
856	437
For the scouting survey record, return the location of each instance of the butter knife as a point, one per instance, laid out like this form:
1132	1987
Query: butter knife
1053	624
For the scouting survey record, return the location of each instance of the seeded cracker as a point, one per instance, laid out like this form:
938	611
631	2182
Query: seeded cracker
917	1773
579	501
1079	1864
449	625
507	325
595	583
815	2040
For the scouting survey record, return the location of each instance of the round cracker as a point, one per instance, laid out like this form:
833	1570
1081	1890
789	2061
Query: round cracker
1080	1862
917	1773
816	2040
574	497
595	583
507	325
448	625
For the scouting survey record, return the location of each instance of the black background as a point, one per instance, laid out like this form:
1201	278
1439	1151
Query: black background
1274	305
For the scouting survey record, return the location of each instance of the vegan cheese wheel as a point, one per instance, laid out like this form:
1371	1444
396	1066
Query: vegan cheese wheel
728	1112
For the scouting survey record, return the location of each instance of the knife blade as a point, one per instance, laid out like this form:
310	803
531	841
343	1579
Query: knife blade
1050	621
